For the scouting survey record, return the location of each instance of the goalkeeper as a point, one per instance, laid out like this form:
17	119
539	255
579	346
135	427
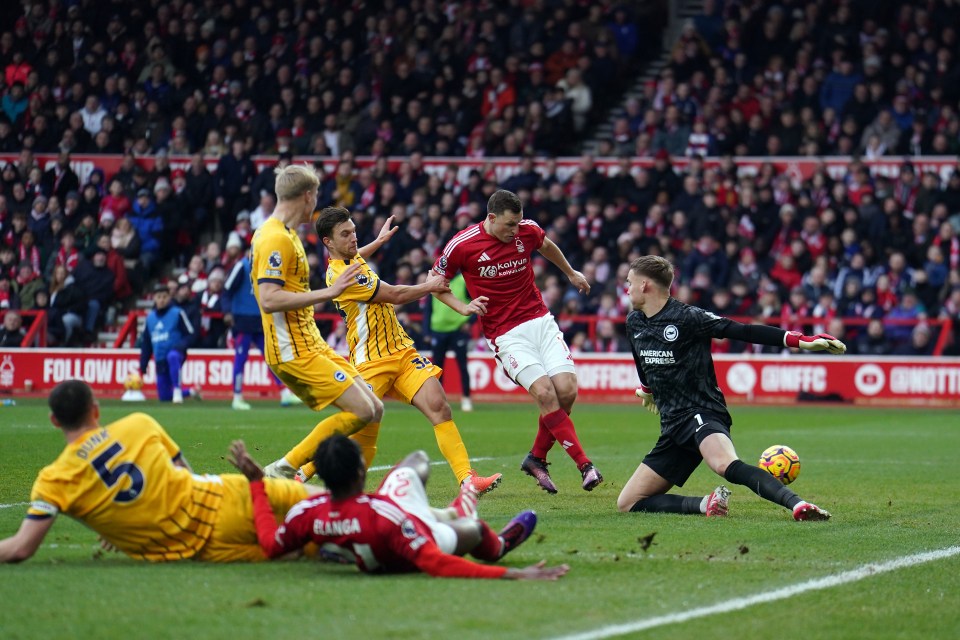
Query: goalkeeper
671	345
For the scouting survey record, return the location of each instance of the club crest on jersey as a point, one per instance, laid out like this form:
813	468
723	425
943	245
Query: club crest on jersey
339	376
408	529
519	246
275	260
670	333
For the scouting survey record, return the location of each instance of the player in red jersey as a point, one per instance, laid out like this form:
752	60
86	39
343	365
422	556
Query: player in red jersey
392	531
495	257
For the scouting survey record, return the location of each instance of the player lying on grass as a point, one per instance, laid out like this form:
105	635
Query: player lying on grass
671	345
129	482
393	530
381	350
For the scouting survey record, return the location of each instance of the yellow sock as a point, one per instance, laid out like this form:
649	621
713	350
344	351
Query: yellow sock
343	422
367	439
452	447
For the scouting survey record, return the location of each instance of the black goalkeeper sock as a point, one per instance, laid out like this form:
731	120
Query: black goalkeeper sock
668	504
761	483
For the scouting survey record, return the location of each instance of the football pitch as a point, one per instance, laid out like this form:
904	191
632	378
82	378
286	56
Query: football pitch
886	566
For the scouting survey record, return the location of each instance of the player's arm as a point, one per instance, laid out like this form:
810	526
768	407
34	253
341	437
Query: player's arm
552	252
273	298
644	392
477	306
386	232
25	542
402	294
774	337
434	562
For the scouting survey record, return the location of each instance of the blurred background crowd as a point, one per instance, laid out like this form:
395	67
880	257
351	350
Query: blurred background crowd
209	85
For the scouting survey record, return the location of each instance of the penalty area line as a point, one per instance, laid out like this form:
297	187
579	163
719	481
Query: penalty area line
826	582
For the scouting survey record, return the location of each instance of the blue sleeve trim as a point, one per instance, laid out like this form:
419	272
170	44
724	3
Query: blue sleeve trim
271	280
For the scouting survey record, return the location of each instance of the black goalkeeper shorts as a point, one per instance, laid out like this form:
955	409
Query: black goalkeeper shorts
677	454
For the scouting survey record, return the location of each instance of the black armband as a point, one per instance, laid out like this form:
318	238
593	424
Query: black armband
754	334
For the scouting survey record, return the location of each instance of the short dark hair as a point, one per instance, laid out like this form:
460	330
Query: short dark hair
71	402
502	201
328	219
656	268
338	461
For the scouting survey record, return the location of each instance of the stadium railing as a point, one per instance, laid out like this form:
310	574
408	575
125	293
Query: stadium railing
943	327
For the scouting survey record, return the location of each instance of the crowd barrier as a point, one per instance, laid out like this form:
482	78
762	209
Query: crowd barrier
501	168
776	379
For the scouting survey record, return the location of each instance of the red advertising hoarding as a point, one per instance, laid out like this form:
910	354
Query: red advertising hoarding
602	377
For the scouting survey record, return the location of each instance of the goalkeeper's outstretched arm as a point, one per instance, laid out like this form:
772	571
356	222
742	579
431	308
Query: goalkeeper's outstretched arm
774	337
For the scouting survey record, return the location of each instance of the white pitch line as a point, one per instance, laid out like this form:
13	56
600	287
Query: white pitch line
13	504
385	467
826	582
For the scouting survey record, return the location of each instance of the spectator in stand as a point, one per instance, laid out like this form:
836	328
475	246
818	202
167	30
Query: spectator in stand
96	280
231	185
12	333
67	306
149	226
920	344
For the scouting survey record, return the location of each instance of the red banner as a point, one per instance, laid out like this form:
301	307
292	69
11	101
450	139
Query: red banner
601	377
798	168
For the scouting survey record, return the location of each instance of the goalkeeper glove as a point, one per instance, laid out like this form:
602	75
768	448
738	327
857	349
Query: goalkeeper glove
646	397
819	342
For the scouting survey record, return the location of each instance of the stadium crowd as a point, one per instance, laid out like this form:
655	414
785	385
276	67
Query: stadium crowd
221	82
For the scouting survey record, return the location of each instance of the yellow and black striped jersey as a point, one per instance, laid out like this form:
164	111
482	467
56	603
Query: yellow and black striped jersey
278	257
373	331
121	481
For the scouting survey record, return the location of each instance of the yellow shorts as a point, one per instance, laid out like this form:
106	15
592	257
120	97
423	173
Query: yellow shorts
319	378
401	374
234	537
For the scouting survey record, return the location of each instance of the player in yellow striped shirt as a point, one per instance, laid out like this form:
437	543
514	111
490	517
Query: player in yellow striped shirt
293	347
381	350
129	482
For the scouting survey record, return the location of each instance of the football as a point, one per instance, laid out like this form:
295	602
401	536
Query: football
134	382
781	462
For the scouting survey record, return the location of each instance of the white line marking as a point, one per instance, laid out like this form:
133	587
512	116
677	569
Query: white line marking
385	467
854	575
13	504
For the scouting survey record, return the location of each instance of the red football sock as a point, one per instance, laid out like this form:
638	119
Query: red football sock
490	547
543	442
561	426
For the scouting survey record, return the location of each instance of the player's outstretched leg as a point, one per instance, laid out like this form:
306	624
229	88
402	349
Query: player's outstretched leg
769	488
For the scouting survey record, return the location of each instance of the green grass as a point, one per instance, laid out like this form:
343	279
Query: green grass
887	475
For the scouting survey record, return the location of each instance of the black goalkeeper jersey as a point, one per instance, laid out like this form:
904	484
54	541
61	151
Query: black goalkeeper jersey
672	351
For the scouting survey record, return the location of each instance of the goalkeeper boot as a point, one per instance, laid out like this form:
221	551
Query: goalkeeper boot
808	511
537	467
717	502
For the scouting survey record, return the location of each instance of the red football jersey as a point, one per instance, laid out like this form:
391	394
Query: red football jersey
502	271
382	536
